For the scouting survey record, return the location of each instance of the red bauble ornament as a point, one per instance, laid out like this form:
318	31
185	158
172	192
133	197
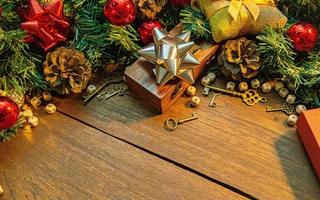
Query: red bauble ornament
9	112
46	26
179	3
120	12
0	11
304	36
145	30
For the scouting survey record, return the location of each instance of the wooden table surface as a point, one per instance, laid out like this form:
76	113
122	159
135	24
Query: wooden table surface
118	149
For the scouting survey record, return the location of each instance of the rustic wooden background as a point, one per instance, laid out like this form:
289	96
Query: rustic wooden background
118	149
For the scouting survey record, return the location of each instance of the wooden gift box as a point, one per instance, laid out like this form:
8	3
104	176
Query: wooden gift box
308	126
141	80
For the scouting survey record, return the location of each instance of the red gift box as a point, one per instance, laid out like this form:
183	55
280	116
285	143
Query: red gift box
308	126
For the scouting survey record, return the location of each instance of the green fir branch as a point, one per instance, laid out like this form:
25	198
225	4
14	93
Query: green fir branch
194	21
18	69
125	36
7	134
169	16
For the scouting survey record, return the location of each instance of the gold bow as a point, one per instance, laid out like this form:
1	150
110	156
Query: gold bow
235	6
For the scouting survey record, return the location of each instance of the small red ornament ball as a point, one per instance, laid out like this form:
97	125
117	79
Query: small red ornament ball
145	30
9	112
304	36
120	12
179	3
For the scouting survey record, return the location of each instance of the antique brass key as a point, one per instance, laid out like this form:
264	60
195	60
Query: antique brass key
250	97
286	108
212	102
172	124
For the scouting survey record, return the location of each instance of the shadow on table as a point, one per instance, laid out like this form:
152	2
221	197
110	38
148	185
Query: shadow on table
297	167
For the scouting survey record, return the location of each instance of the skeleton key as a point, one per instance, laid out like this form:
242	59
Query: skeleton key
250	97
288	109
103	94
172	124
109	95
212	104
120	91
108	82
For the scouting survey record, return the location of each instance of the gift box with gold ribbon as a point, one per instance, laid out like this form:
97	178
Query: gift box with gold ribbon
230	19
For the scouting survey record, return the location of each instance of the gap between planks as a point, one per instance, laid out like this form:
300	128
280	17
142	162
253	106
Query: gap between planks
177	164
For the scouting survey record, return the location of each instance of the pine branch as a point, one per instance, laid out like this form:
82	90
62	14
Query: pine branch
301	10
169	16
18	69
194	21
7	134
277	54
125	36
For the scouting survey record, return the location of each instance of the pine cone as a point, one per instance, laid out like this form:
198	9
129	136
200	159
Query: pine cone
150	8
239	59
66	70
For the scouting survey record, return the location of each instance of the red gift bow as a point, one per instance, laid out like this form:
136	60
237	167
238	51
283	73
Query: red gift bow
45	25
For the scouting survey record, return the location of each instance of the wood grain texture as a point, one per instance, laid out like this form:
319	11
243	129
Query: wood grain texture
64	159
242	146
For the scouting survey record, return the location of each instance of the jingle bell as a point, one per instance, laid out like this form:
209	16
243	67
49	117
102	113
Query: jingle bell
291	99
243	86
231	86
46	96
212	76
283	92
300	109
27	113
278	86
91	88
50	108
33	121
255	83
266	88
292	120
206	81
191	91
36	102
195	101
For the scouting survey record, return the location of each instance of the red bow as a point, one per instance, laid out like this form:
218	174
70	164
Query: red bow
45	25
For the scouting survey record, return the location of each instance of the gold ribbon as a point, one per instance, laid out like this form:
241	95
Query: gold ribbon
235	6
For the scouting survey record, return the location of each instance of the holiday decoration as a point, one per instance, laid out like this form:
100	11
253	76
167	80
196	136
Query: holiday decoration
145	30
141	79
179	3
230	19
45	25
16	97
304	36
149	8
9	113
172	56
66	70
120	12
239	59
309	132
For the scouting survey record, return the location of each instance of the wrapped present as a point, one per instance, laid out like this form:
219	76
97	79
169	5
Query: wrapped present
309	132
230	19
142	80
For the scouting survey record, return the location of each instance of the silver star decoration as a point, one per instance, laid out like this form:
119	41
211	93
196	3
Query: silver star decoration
172	56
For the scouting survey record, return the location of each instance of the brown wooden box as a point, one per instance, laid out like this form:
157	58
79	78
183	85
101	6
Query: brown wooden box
141	79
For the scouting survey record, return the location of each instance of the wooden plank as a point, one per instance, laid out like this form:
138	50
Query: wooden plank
64	159
242	146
